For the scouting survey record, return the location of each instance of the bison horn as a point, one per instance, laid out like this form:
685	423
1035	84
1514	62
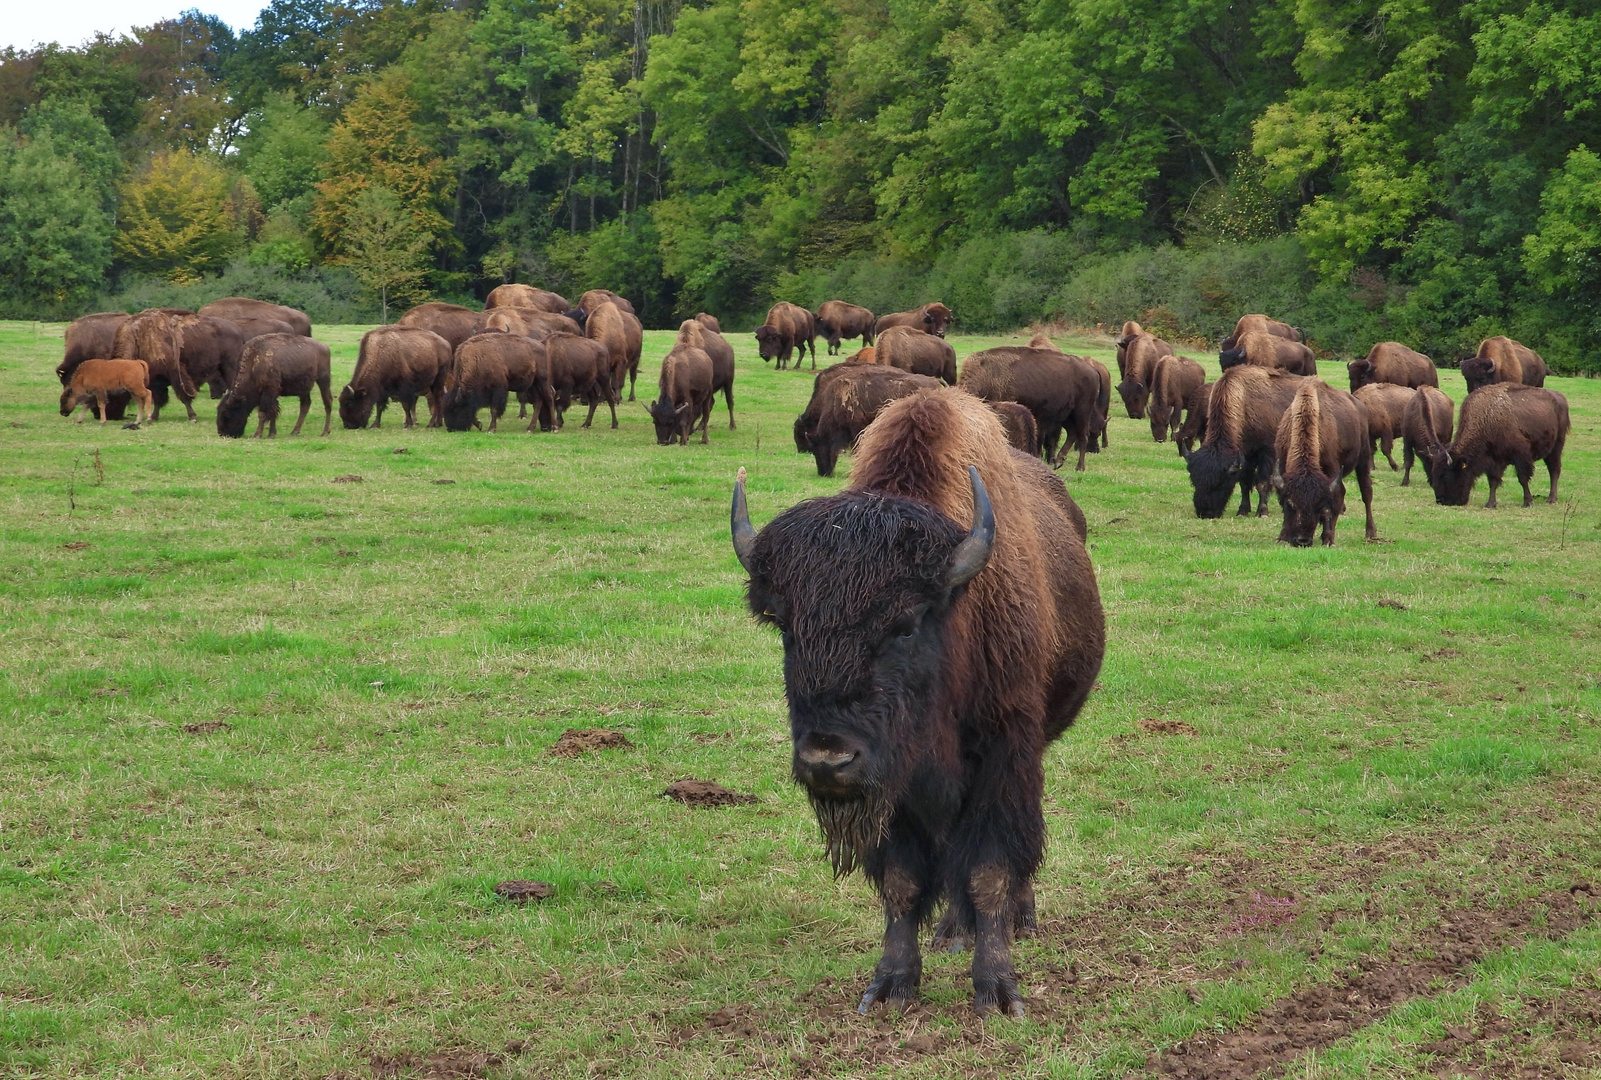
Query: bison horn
739	523
971	554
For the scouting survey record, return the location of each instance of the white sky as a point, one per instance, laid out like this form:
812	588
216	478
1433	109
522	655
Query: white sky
26	23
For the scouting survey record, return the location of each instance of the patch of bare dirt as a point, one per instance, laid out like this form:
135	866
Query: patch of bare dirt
575	742
444	481
348	478
207	727
1152	726
519	891
76	545
1393	604
444	1064
704	793
1547	1040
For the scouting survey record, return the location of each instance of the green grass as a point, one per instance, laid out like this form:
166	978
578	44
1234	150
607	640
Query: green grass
310	886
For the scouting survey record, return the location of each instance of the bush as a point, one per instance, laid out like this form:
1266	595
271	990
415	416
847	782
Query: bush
327	294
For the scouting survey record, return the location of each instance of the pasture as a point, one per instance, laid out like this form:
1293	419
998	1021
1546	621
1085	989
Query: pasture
268	741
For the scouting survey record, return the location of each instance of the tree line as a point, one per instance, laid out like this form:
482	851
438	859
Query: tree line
1409	169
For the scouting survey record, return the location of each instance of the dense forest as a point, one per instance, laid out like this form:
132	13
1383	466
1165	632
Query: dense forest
1409	169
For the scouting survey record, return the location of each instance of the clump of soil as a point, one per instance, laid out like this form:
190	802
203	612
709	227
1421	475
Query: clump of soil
206	727
575	742
444	481
1396	604
443	1065
76	545
1152	726
519	891
348	478
705	793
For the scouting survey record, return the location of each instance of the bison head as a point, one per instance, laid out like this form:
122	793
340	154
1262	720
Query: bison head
860	587
1135	396
1450	476
355	407
1214	473
1309	499
461	412
579	316
1478	371
670	423
769	341
937	319
1362	373
233	412
1227	358
803	439
69	402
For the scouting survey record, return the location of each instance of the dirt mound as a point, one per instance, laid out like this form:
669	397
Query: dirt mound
442	1065
519	891
575	742
206	727
1152	726
706	793
348	478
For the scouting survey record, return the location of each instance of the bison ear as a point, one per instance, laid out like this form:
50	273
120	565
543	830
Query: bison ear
973	553
739	524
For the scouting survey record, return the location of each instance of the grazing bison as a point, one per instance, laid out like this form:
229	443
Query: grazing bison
1501	424
486	370
242	307
912	350
399	362
1021	429
1386	405
1173	380
686	395
526	296
1103	400
607	326
1260	324
580	368
1261	349
845	399
1194	429
93	337
1502	360
927	666
709	322
932	318
1139	355
211	350
1394	363
1060	390
596	297
837	320
695	334
275	366
1440	415
156	337
788	327
97	381
1242	420
1322	437
528	322
450	321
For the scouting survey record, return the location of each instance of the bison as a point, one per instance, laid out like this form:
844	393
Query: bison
1502	360
1322	438
1173	380
399	362
98	381
932	318
1138	356
1501	424
912	350
634	331
608	326
156	337
1260	324
528	322
1103	400
525	296
1440	412
1394	363
837	320
686	395
927	666
1194	429
1021	429
579	368
93	337
275	366
1242	420
489	367
596	297
452	322
242	307
1386	405
1261	349
211	350
695	334
788	327
845	399
1060	390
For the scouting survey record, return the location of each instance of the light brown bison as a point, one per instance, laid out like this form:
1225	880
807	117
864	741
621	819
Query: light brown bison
869	355
1386	405
709	322
845	399
596	297
1242	421
1060	390
836	320
526	296
1194	429
695	334
1266	350
1139	355
1021	429
927	667
97	381
1322	438
1502	360
1393	363
788	327
581	369
452	322
686	394
489	367
1428	406
608	326
634	330
932	318
912	350
156	337
1260	324
529	322
1173	380
242	307
399	362
1501	424
275	366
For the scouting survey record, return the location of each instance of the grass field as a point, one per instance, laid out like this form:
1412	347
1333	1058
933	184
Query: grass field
267	742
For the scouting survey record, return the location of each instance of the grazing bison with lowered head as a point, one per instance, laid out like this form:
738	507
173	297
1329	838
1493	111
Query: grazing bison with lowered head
787	328
1260	324
526	296
912	350
1060	390
275	366
845	399
927	666
580	368
1386	405
93	337
686	395
1103	400
709	322
97	381
1427	407
1173	380
1021	429
608	326
1501	424
1502	360
399	362
696	335
156	337
212	347
1139	355
1393	363
836	320
528	322
1265	350
1194	429
932	318
1322	437
487	369
452	322
242	307
1242	421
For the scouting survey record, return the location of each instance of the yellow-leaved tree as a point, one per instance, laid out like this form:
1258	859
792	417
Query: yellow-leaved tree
177	217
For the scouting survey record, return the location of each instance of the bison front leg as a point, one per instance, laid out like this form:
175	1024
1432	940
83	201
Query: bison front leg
994	981
905	887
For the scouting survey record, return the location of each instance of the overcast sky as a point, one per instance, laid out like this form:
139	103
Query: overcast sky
26	23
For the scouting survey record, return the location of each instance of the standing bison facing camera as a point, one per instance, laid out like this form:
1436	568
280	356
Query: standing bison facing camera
927	666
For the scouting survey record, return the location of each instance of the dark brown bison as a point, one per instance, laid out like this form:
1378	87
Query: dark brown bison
1139	355
845	399
1173	380
1394	363
93	337
97	381
275	366
696	335
156	337
1441	414
399	362
1242	420
580	369
932	318
1103	400
526	296
212	348
1501	424
1260	324
1265	350
1322	438
836	320
529	322
1021	429
1194	429
1386	405
686	394
242	307
1060	390
452	322
608	326
489	367
927	666
1502	360
788	327
709	322
912	350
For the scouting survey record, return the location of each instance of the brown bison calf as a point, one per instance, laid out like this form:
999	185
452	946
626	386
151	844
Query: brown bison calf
788	327
1260	349
526	296
399	362
274	366
1060	390
1322	437
912	350
242	307
1428	406
686	395
1394	363
697	335
1501	424
1242	421
932	318
1260	324
1502	360
845	399
99	380
836	320
1386	405
1173	380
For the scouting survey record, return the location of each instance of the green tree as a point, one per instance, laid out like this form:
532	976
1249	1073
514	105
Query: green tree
385	249
55	241
284	150
177	219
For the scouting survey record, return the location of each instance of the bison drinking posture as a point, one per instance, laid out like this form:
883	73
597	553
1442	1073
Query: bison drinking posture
1429	414
686	394
697	335
845	399
1501	424
836	320
1322	436
399	362
927	666
1137	357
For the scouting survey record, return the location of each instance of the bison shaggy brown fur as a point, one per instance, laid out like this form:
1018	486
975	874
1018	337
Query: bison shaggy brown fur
580	368
1260	324
1060	390
709	322
489	367
156	337
1103	400
1022	431
526	296
1502	360
399	362
1386	404
1242	419
1501	424
1173	380
788	327
1322	437
274	366
686	394
1428	406
1194	429
1261	349
1138	356
452	322
912	350
242	307
89	338
932	318
695	334
97	381
836	320
1393	363
845	399
528	322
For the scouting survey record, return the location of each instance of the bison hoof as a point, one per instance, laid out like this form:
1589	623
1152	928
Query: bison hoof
896	989
997	993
